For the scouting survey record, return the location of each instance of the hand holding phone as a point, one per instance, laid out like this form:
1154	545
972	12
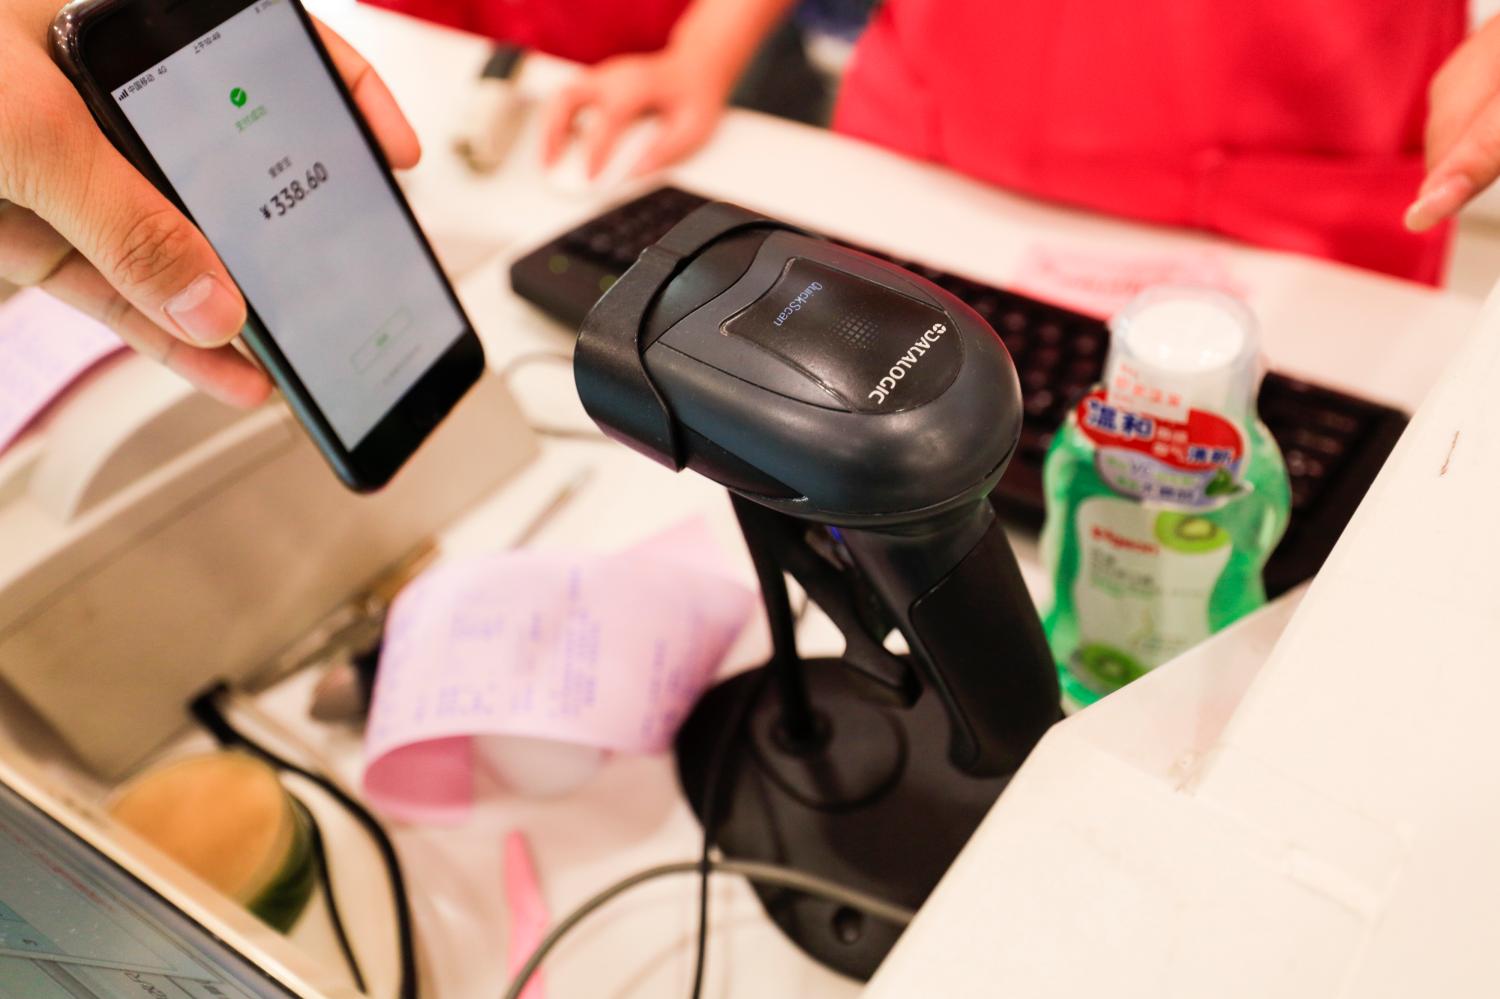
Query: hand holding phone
252	122
81	222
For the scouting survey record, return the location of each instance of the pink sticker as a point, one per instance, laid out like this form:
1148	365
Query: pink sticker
527	910
1100	282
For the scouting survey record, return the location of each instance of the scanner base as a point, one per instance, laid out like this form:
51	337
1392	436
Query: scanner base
877	806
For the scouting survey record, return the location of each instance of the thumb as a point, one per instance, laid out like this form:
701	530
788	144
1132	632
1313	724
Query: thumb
143	246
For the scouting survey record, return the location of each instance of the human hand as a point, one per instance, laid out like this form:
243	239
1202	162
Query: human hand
1463	129
77	220
685	96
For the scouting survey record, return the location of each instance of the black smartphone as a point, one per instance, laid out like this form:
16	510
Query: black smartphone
234	110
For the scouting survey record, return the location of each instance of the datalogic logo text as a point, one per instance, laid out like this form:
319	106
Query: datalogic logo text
906	362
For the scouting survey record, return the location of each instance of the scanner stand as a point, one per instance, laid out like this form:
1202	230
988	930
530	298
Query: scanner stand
836	767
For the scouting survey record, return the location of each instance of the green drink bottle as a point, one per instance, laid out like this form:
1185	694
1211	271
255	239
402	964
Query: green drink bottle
1165	493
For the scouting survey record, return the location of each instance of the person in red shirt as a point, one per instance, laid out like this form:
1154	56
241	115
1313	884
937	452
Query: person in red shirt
581	30
1324	101
1298	126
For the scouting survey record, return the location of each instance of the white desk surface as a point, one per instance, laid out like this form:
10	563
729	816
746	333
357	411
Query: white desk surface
1382	337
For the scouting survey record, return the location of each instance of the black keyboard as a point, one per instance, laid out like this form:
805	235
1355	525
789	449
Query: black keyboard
1333	443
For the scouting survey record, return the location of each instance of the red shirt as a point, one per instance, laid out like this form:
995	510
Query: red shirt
582	30
1295	124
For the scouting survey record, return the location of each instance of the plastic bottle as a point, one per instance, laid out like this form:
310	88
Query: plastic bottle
1165	493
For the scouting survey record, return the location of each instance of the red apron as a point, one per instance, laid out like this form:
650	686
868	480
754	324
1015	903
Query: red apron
582	30
1294	124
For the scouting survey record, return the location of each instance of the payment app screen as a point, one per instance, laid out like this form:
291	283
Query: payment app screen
252	133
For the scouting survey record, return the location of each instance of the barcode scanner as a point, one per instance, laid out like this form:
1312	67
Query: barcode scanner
860	417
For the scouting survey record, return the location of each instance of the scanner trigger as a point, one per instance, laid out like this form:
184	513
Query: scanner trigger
831	583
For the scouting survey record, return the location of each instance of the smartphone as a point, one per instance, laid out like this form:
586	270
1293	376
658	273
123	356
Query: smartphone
234	110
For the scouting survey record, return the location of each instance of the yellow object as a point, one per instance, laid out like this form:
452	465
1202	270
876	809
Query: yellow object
226	817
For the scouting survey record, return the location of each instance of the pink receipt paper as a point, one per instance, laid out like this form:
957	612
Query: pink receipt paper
608	651
44	347
1101	282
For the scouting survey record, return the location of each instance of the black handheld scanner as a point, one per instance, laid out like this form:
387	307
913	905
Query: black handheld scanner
841	390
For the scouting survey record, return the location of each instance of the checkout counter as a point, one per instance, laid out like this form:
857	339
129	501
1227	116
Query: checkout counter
1231	825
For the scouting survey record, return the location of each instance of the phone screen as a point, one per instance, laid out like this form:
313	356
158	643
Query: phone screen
254	135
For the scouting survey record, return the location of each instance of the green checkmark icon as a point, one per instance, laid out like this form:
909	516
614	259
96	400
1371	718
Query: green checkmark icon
238	97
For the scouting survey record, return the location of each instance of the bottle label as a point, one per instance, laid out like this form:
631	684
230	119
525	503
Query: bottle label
1196	462
1143	589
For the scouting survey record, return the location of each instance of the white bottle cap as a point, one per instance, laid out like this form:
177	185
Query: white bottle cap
1175	348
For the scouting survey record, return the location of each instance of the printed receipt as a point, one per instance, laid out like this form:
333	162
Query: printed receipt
607	651
44	347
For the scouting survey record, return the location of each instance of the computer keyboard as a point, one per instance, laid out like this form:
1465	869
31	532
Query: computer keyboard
1333	443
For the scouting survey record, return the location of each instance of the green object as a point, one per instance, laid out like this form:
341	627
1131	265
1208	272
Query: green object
286	894
238	97
1118	610
1222	484
1165	493
225	817
1186	532
1108	666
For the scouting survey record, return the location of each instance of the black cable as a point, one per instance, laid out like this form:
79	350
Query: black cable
325	881
205	709
713	787
759	873
774	586
710	794
797	716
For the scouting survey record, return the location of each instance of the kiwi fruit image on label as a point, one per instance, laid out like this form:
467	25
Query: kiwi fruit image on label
1109	665
1190	534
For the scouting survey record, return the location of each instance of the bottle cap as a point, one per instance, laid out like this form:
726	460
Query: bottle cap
1176	348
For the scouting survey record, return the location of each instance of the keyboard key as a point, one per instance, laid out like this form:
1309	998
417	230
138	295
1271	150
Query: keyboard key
1039	403
1014	321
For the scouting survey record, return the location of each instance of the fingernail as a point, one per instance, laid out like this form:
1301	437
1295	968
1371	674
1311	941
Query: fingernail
206	312
1438	203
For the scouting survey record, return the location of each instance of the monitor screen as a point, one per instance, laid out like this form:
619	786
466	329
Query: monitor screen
75	925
